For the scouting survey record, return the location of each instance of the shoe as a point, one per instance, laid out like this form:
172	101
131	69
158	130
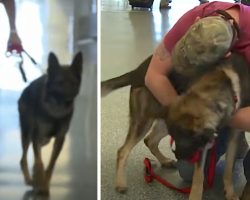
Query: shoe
246	192
165	6
203	1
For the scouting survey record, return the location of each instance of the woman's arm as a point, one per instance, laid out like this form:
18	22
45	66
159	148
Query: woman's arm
156	77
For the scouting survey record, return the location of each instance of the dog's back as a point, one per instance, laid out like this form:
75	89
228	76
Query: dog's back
135	79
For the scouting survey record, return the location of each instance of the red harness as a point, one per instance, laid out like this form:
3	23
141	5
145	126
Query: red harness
150	175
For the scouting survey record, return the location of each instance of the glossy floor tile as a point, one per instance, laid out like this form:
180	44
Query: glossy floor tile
128	37
46	26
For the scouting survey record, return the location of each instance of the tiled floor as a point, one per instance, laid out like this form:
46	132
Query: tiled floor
46	26
128	37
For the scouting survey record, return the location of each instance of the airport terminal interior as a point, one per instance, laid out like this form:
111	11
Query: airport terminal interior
63	27
127	38
121	40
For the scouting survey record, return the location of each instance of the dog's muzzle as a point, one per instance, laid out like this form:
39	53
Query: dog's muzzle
199	154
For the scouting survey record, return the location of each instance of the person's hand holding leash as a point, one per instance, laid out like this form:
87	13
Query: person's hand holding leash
14	44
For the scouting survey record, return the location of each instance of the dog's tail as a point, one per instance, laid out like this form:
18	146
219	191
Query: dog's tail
134	78
116	83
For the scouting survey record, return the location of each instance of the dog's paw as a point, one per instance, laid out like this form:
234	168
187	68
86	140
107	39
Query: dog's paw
231	196
121	190
29	182
41	191
105	90
169	164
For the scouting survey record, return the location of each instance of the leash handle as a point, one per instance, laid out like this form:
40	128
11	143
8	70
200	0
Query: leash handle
16	49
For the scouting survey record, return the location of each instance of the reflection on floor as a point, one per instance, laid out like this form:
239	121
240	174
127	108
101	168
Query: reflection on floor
47	26
127	38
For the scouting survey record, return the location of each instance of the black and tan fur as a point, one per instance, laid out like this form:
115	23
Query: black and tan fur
210	107
45	111
205	109
144	109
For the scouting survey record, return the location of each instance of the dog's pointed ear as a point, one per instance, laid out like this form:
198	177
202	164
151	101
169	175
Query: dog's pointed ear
53	63
77	63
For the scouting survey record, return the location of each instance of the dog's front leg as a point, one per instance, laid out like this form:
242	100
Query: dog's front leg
198	176
197	183
137	130
228	174
57	147
23	162
39	182
157	132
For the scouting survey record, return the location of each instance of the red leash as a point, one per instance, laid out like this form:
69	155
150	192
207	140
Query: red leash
212	166
150	175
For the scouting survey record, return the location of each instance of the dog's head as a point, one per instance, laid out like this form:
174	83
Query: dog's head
64	80
190	126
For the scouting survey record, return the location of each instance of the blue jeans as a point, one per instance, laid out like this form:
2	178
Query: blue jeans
186	168
246	165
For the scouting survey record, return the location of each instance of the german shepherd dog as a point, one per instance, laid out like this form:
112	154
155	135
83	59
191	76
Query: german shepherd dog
203	110
45	111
